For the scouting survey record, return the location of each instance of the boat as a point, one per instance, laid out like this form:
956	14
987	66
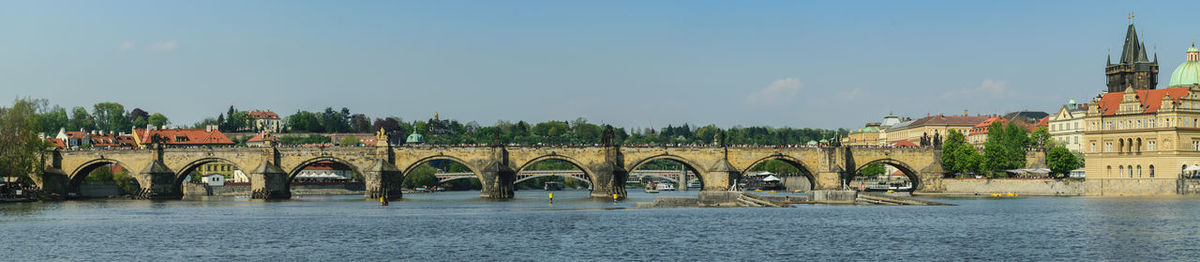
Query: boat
884	187
693	185
553	186
651	188
665	187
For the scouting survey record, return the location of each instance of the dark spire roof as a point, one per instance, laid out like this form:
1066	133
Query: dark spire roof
1133	50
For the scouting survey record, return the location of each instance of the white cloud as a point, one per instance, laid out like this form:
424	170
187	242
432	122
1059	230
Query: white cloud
127	45
852	94
778	92
989	87
164	46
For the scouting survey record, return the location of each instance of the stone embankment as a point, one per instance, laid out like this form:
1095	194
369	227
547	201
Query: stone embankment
1025	187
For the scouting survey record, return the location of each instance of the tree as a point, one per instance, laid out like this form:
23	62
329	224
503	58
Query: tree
158	120
137	113
53	120
1061	160
360	123
110	116
1041	140
421	176
349	141
958	156
872	170
20	147
80	119
304	121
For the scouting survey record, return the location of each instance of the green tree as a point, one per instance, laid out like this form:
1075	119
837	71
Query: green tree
421	176
958	156
349	141
20	147
140	122
80	119
158	119
53	120
1061	161
872	170
110	116
126	182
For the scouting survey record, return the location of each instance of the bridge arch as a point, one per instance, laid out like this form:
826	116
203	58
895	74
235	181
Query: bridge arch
187	168
77	176
588	175
410	168
805	171
687	163
908	171
300	167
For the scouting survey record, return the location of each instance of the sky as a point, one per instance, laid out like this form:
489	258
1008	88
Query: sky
818	64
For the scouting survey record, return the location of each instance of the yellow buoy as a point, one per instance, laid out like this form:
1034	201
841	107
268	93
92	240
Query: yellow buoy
614	198
772	191
797	191
758	190
891	191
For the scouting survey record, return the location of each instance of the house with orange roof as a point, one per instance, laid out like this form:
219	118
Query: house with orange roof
979	133
209	136
91	139
265	121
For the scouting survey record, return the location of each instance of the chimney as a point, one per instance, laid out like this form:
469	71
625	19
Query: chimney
208	128
965	113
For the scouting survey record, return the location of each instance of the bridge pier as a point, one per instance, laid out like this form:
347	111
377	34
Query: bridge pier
268	181
608	180
830	180
54	182
383	180
497	181
721	176
158	182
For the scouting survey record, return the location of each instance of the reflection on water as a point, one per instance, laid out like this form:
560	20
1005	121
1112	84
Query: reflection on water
460	226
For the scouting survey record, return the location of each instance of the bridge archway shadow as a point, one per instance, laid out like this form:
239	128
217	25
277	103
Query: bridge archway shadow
323	176
448	173
792	173
665	168
195	171
894	175
102	178
544	173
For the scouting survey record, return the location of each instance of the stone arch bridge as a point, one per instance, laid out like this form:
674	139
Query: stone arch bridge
160	172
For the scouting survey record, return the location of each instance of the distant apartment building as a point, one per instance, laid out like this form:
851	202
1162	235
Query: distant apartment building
929	127
91	139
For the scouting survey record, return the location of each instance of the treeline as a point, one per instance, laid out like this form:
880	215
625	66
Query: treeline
114	117
1005	148
106	116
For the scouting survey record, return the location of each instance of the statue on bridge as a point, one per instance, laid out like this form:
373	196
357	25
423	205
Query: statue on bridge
937	139
606	138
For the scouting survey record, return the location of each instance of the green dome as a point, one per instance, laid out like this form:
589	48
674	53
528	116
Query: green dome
1187	74
1193	49
415	139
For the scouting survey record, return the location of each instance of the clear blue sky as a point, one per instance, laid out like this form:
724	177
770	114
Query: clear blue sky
630	63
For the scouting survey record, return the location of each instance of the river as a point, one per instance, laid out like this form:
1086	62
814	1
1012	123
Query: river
457	226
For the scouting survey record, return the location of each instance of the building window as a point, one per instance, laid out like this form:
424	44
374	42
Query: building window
1139	171
1130	168
1120	170
1107	146
1108	171
1151	145
1151	171
1093	147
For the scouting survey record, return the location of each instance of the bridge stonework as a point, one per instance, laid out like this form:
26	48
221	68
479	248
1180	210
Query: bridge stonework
160	172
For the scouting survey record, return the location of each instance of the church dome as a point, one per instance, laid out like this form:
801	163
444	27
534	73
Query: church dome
415	139
1188	73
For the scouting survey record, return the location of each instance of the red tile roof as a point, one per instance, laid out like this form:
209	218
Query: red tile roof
1150	99
262	114
949	120
982	127
259	138
904	143
185	136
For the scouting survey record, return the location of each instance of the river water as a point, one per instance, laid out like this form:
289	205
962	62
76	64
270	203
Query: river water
457	226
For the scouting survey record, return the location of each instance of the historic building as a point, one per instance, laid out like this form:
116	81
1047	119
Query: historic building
1066	126
265	121
979	133
930	127
1139	141
1134	69
93	139
209	136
